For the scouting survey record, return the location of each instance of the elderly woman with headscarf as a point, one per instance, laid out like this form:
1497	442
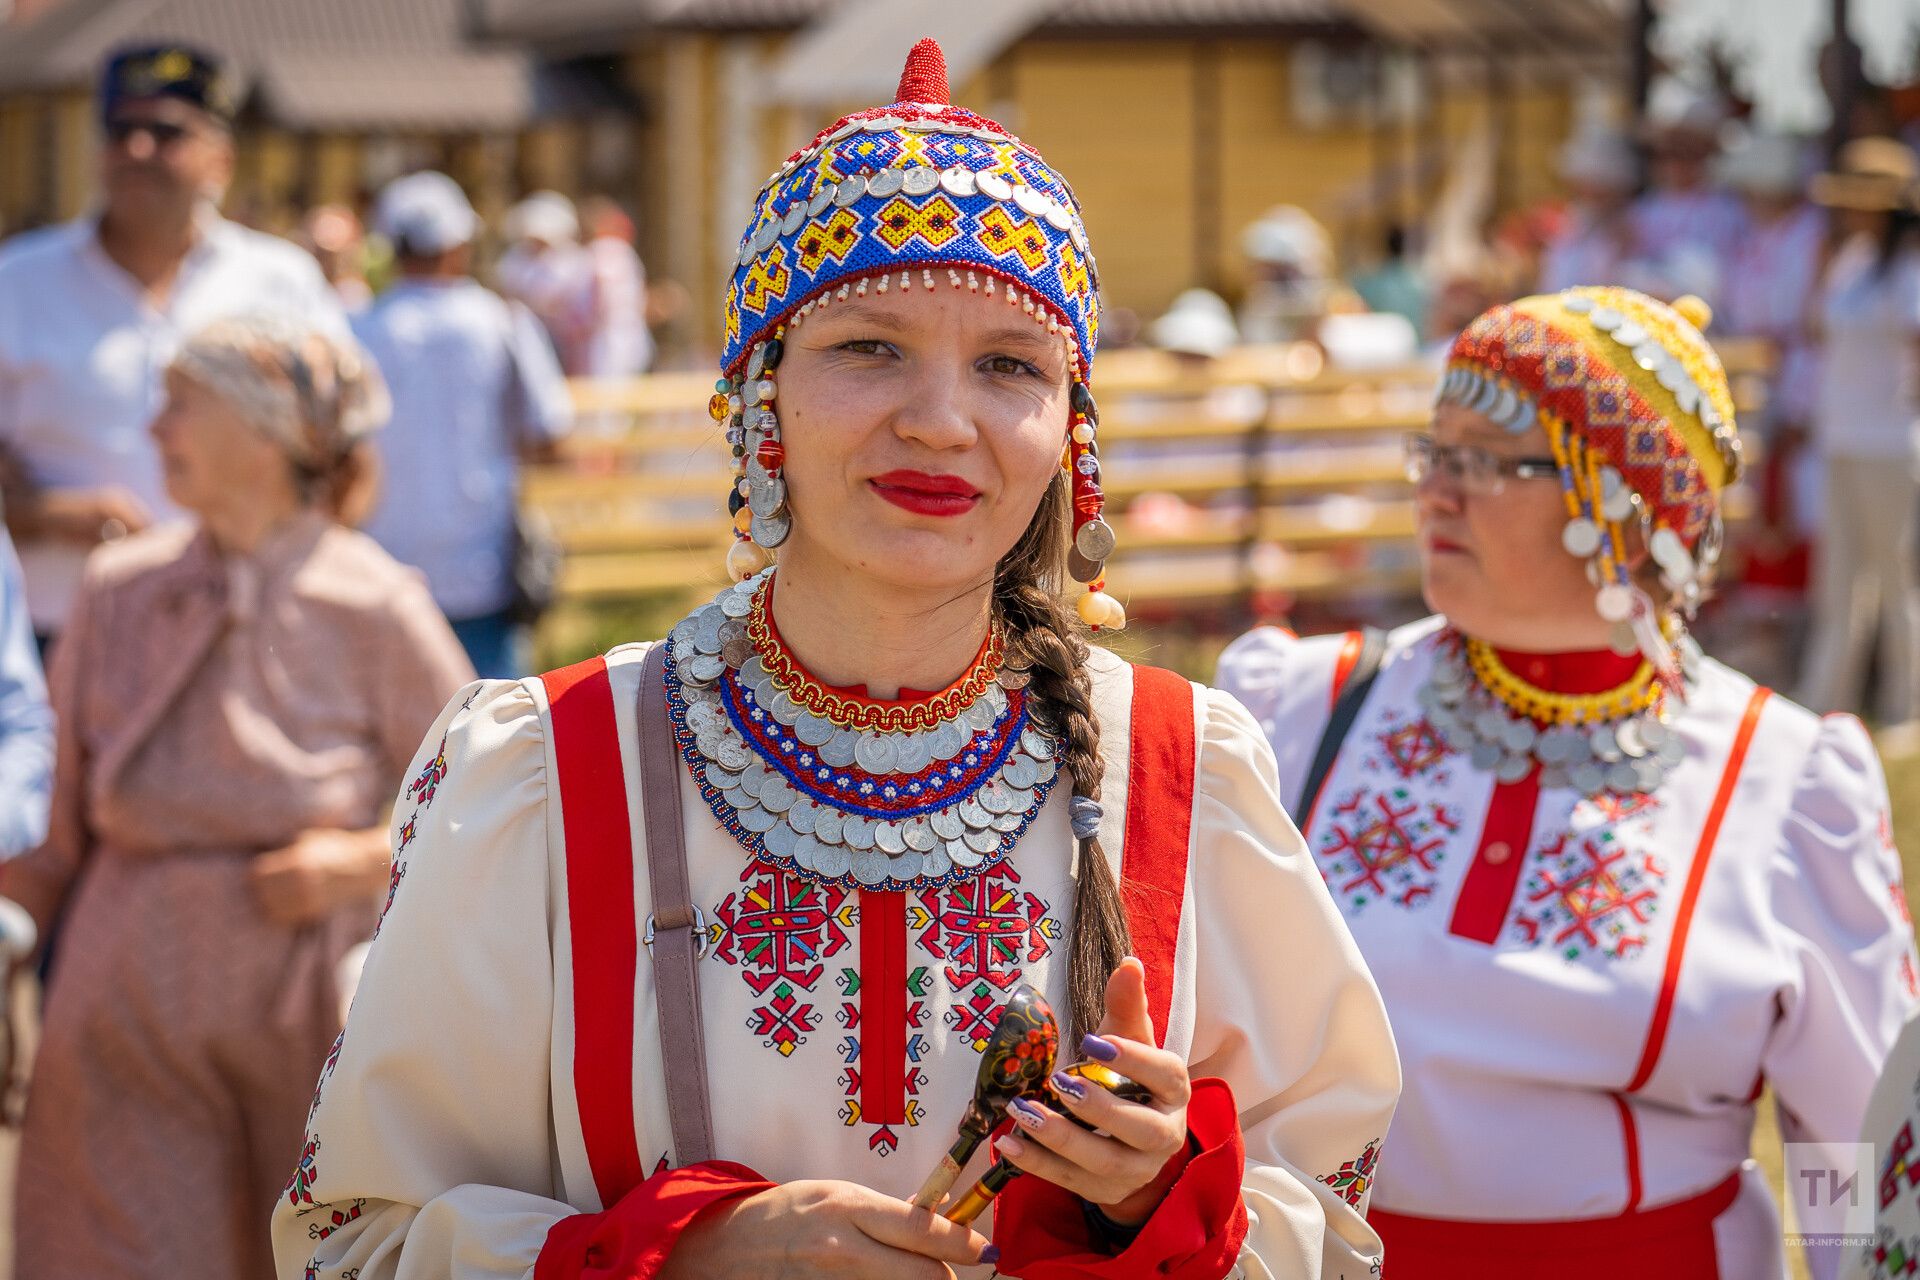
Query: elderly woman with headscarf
237	699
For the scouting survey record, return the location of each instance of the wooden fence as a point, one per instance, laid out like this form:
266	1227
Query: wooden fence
1261	474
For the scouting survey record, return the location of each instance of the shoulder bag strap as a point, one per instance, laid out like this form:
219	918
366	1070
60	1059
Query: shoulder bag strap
1346	709
675	930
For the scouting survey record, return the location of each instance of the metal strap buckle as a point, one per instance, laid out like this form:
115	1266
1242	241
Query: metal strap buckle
702	940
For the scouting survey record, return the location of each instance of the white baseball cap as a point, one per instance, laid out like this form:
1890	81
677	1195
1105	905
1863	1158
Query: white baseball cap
426	212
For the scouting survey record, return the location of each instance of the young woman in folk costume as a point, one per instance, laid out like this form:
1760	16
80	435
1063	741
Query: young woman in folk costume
873	870
1610	888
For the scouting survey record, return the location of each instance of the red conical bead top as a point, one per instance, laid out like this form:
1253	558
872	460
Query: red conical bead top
925	77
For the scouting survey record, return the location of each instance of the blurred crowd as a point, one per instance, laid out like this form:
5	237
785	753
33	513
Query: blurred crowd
265	498
1810	260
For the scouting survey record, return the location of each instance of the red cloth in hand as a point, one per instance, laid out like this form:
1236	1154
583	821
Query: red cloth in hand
632	1240
1195	1234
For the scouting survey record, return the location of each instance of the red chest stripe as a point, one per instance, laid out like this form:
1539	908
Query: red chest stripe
1696	875
600	917
1160	778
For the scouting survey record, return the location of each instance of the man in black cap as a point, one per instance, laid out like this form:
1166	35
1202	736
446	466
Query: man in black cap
92	311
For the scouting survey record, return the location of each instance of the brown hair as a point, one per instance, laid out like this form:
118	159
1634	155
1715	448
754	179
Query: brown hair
1045	638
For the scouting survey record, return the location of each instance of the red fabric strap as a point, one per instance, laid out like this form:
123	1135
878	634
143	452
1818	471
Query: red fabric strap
600	919
1696	876
1160	779
1195	1234
633	1239
1672	1242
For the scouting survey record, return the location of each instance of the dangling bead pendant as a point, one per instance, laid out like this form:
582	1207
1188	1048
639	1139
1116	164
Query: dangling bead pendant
758	503
1093	538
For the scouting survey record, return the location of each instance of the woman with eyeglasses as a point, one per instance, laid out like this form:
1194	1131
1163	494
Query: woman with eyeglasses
1611	890
237	700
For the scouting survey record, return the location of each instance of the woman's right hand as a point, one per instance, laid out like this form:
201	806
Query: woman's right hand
801	1230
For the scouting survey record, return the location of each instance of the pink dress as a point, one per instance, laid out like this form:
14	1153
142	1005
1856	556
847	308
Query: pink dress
211	708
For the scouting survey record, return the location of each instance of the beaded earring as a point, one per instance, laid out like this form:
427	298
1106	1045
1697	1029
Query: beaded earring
757	502
1093	538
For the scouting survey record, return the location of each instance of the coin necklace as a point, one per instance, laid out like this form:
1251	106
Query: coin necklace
849	791
1621	740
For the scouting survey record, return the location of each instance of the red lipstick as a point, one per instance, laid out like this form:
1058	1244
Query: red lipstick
926	494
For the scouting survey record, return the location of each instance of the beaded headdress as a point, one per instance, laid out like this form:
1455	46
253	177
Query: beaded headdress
1639	414
917	194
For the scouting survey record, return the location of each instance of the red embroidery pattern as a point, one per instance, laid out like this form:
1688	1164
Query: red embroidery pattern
778	931
299	1188
883	1140
985	931
421	791
1590	895
326	1070
423	788
1352	1180
1414	748
1388	845
336	1218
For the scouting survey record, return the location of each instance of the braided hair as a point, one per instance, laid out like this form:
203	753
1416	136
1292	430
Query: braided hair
1047	641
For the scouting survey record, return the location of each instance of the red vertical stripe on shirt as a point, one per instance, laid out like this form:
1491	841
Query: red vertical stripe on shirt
1486	892
1630	1136
883	1007
1350	647
600	918
1160	780
1696	875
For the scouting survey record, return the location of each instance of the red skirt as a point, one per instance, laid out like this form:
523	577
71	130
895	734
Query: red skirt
1669	1242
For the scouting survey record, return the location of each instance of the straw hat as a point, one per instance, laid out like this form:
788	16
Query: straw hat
1878	175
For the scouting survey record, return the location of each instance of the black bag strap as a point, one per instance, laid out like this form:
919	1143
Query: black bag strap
1346	709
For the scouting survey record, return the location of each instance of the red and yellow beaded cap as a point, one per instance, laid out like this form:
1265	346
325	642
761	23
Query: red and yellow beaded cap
1639	414
1634	403
918	194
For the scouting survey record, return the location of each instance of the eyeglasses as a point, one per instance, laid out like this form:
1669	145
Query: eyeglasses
1479	473
163	132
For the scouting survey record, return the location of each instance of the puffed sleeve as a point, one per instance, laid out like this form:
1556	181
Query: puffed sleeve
1288	683
1842	917
1294	1068
1286	1013
428	1149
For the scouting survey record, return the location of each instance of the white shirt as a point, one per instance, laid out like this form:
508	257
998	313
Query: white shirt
619	344
1870	379
83	354
446	1133
1551	1071
471	377
1776	269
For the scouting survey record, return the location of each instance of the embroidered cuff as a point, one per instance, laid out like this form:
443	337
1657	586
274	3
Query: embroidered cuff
632	1240
1195	1234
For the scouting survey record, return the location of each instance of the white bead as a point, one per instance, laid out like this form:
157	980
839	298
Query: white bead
1581	537
1614	602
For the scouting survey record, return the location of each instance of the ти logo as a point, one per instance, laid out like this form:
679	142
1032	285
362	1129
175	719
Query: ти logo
1830	1187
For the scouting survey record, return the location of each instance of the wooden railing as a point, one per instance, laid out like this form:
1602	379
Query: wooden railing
1261	473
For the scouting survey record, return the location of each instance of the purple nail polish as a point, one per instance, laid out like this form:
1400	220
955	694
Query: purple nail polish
990	1255
1068	1086
1027	1114
1099	1048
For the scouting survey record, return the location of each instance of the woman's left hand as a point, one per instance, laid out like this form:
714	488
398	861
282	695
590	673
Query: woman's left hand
1128	1171
321	870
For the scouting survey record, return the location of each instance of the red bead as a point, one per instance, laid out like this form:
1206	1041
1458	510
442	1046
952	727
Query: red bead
771	454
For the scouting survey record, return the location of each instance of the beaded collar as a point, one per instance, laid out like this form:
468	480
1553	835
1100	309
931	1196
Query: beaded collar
1619	740
846	790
